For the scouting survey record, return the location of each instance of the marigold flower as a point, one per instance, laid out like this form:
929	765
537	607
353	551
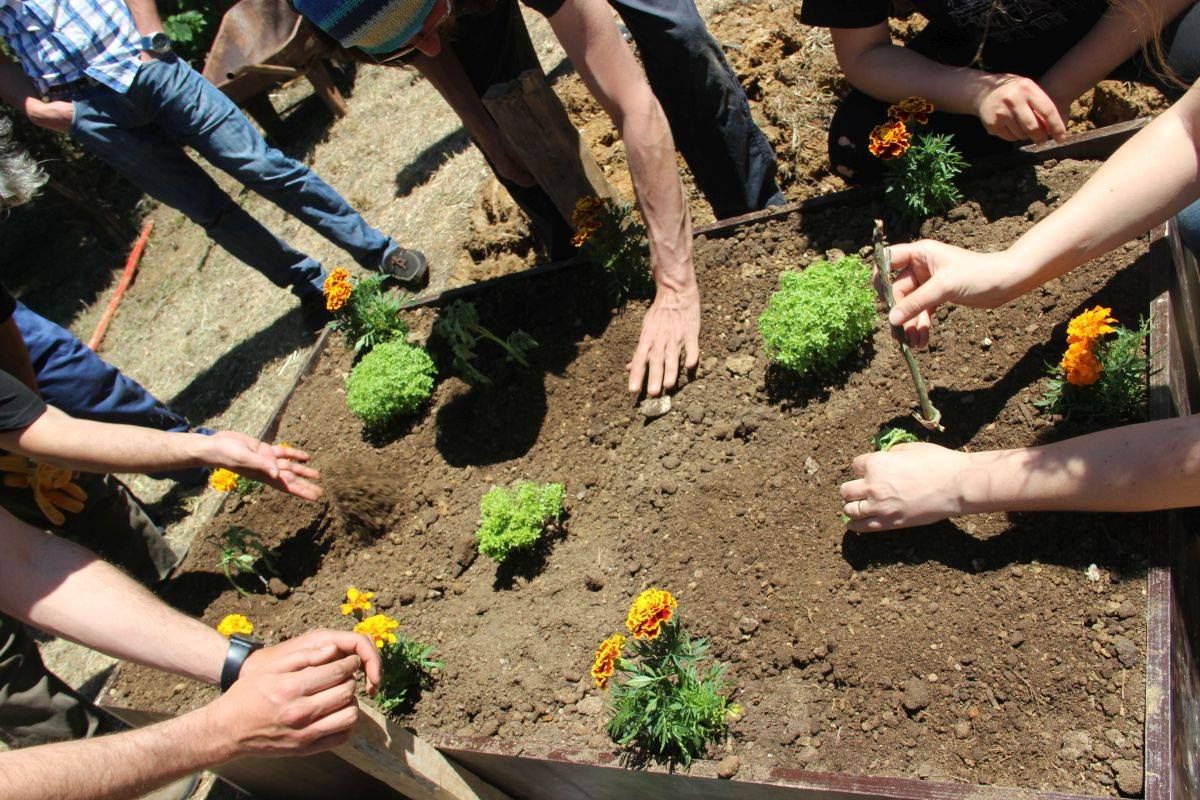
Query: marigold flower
235	623
607	655
1090	326
378	629
1080	364
586	219
337	288
356	601
649	611
223	480
911	109
889	140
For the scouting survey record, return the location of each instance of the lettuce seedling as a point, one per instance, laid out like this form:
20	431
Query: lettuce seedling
819	316
392	380
514	519
887	439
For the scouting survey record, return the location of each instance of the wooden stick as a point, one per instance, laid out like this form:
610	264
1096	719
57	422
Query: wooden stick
131	265
930	417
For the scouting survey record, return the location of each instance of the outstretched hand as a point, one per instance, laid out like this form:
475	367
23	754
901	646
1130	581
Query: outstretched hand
278	466
911	484
1017	109
671	329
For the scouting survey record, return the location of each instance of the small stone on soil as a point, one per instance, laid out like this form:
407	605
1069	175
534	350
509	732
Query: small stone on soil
590	706
278	587
670	461
739	365
594	581
916	695
654	407
1127	652
728	767
1075	745
1129	777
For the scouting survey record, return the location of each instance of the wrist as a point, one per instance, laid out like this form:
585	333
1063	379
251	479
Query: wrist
214	732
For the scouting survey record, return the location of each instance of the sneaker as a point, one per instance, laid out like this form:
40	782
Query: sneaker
314	314
408	267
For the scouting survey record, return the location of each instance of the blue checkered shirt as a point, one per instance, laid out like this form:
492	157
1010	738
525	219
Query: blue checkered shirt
63	41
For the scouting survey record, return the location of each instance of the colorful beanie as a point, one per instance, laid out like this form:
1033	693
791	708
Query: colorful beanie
374	26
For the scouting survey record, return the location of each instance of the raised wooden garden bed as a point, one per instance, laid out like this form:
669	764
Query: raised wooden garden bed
1028	683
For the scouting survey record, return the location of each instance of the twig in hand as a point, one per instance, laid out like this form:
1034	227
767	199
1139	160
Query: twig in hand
930	417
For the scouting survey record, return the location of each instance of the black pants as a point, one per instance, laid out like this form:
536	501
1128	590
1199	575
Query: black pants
858	114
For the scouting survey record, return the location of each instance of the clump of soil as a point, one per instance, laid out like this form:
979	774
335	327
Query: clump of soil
361	492
974	650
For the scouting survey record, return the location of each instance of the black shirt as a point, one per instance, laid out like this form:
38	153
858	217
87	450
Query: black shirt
8	304
19	407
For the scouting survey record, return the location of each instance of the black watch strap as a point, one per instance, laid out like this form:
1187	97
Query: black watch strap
240	648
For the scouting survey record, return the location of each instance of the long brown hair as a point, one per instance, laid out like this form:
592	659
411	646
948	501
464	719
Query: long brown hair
1148	16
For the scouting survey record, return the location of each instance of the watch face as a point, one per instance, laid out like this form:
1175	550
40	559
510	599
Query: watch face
160	43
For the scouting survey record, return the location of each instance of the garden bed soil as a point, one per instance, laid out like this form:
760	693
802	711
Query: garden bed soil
976	650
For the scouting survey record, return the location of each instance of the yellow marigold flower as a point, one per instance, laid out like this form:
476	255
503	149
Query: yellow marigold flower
911	109
605	663
235	623
356	601
223	480
378	629
1090	325
649	611
337	288
889	140
1080	364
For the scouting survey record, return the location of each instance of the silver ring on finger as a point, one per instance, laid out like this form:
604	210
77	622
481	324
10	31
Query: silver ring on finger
859	509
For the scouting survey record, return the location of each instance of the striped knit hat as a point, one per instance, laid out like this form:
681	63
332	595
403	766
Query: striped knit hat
374	26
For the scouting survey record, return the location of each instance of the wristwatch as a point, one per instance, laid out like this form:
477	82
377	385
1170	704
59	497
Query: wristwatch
158	44
240	648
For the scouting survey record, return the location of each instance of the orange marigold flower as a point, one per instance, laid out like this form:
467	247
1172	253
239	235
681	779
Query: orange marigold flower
356	601
378	629
1090	325
911	109
607	655
337	288
223	480
1080	364
649	611
586	218
889	140
235	623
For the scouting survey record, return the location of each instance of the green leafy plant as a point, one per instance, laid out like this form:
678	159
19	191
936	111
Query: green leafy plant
515	519
921	184
890	437
392	380
366	313
1099	379
246	486
665	702
192	26
243	553
408	667
820	315
608	234
459	326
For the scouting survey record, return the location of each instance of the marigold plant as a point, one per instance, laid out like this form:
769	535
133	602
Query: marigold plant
356	602
610	236
1102	373
367	314
889	140
920	170
515	519
243	552
911	109
1079	364
666	704
1089	326
223	480
408	665
235	623
391	381
338	288
378	628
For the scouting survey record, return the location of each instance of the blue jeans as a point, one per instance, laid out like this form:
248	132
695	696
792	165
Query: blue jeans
142	134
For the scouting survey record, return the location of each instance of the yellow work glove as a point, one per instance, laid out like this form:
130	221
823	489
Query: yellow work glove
52	488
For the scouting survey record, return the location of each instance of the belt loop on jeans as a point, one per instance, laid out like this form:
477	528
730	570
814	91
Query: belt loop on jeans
67	90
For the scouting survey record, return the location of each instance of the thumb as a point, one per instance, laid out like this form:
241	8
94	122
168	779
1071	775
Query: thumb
926	297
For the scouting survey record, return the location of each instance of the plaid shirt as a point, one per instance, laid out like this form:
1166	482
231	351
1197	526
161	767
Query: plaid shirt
62	41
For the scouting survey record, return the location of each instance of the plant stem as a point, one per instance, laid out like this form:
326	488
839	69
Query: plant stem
930	417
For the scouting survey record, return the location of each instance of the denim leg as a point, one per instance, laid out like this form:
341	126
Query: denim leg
1189	227
196	113
74	379
732	161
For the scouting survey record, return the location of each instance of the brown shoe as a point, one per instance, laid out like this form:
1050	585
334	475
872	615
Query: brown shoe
409	268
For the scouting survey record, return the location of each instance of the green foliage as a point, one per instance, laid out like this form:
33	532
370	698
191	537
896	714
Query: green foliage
192	26
242	552
921	183
246	486
514	519
459	325
664	703
820	315
407	671
392	380
1120	393
887	439
612	237
371	315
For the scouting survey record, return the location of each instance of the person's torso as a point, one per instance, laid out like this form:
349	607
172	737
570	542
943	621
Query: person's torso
61	41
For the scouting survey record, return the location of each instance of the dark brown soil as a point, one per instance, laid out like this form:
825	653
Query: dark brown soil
976	650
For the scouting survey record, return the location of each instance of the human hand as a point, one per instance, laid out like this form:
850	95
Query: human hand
930	273
297	697
55	115
279	466
1017	109
911	484
671	328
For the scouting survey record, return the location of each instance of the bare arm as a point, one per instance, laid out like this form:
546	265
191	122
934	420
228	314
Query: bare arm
672	326
145	16
1144	467
18	91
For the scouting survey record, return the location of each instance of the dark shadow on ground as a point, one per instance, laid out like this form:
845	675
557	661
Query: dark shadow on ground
212	391
427	163
789	390
528	564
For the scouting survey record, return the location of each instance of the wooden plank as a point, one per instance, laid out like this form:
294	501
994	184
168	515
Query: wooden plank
536	125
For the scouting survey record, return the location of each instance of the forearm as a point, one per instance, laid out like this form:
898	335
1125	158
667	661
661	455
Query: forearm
14	355
16	89
1114	38
88	446
122	765
1150	178
66	590
1145	467
145	16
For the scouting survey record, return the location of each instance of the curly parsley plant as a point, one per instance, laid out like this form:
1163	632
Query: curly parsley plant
514	519
391	381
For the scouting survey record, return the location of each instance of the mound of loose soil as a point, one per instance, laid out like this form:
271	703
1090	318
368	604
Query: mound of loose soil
976	650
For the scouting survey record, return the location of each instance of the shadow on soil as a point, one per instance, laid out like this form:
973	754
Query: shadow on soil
528	564
788	390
